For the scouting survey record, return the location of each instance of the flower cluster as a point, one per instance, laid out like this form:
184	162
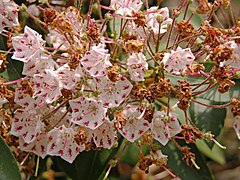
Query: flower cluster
84	85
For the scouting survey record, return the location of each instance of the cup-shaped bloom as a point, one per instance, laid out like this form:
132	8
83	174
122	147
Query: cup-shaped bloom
87	112
178	61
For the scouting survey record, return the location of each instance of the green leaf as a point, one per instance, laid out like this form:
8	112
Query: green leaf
207	119
90	165
179	168
216	153
214	95
131	154
8	165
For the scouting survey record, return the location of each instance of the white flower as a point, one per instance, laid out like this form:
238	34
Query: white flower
61	143
38	146
163	126
47	85
37	64
26	125
136	125
152	19
234	62
28	44
87	112
126	7
177	62
96	61
137	66
8	14
105	135
113	94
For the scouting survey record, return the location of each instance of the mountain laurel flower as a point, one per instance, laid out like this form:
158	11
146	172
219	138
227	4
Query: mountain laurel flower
61	142
236	126
96	61
156	18
136	125
178	61
69	77
87	112
47	85
8	14
234	62
105	135
113	94
137	66
27	44
26	125
38	146
37	63
125	7
164	126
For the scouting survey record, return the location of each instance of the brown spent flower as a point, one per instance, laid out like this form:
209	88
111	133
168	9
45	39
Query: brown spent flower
6	93
161	87
185	29
236	108
74	61
221	53
112	73
50	15
144	164
204	7
147	138
93	32
3	62
133	46
196	67
66	93
225	3
148	115
140	19
188	157
184	95
120	120
190	134
81	136
225	85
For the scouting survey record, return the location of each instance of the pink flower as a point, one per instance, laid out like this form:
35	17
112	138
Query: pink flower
136	125
177	62
137	66
37	64
96	61
38	146
47	85
236	126
163	126
152	19
26	125
61	143
68	77
25	100
28	44
126	7
234	62
8	14
105	135
113	94
87	112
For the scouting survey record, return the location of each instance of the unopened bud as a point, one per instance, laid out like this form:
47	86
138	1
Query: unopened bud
160	18
108	16
23	8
